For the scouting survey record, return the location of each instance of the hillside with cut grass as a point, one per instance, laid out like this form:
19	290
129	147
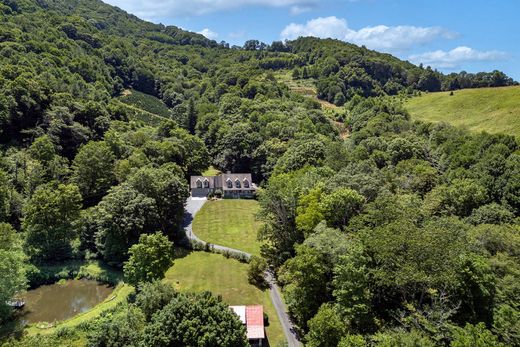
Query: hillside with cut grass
143	107
494	110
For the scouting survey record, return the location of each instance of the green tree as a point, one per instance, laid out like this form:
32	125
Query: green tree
506	324
123	215
351	288
93	170
304	280
256	271
153	296
149	259
121	328
12	268
43	149
195	320
412	260
50	215
340	206
4	196
460	197
399	338
168	191
352	341
191	116
491	214
326	328
474	336
309	211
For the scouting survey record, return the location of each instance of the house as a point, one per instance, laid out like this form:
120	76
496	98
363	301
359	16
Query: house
253	318
231	185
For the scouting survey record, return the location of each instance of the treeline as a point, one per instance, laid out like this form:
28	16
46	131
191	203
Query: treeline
342	70
409	237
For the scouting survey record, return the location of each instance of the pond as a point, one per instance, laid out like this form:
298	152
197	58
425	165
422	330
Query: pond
60	301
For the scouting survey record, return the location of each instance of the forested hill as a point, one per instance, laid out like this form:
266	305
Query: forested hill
100	49
96	15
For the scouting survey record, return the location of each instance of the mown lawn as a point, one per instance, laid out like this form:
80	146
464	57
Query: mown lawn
230	223
494	110
201	271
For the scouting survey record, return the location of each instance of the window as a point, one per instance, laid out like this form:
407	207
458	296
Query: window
246	183
206	183
229	183
237	183
199	184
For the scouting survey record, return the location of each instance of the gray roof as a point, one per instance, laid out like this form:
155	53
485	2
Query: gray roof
234	177
221	180
194	179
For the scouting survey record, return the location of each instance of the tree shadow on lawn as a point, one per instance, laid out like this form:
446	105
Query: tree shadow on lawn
181	252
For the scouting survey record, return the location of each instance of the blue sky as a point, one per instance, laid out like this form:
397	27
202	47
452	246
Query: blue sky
471	35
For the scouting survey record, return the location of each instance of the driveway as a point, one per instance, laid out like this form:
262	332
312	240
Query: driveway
193	205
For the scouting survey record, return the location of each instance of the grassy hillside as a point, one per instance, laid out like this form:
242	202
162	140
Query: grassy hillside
145	102
495	110
144	107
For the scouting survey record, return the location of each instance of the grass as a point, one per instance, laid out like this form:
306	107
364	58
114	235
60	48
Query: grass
119	295
201	271
305	87
211	172
137	114
229	223
494	110
148	103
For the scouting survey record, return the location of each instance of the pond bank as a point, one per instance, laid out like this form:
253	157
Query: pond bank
73	269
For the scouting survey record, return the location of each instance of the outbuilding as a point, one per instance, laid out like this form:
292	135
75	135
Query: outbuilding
252	317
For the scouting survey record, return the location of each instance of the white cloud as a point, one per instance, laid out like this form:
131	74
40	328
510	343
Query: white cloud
456	57
299	9
150	10
209	34
381	37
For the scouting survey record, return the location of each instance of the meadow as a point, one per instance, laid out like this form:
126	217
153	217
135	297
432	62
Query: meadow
494	110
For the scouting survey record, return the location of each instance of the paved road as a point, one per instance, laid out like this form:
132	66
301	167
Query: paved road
193	205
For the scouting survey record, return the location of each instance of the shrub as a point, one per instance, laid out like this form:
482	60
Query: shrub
255	273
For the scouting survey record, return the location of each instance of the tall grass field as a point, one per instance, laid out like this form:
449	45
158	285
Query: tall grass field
494	110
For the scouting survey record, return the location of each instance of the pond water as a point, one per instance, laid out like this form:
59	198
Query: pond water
60	301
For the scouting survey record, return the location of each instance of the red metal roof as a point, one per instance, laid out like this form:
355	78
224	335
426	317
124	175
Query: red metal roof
255	322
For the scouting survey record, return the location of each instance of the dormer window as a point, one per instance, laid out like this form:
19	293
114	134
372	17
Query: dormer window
237	183
229	183
246	183
206	183
199	183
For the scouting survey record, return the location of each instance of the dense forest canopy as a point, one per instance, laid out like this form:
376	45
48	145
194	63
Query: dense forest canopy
401	233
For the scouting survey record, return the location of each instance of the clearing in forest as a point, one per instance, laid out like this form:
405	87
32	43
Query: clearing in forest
227	277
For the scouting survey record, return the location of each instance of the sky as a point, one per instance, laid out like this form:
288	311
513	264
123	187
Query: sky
450	35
